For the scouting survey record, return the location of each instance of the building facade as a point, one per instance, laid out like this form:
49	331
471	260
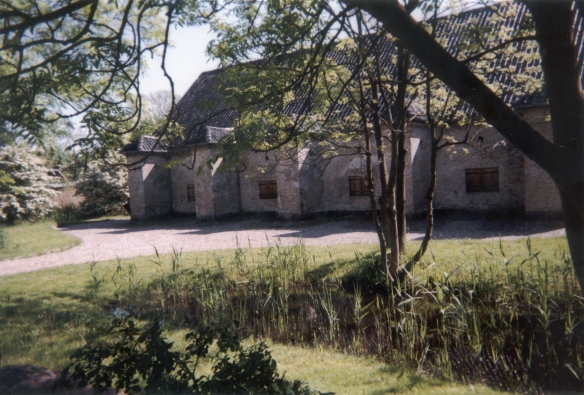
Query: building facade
489	176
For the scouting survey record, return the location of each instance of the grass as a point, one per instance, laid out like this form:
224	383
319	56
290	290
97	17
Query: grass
330	371
469	303
46	314
33	239
327	370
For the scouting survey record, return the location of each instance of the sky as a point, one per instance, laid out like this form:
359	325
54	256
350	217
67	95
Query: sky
185	61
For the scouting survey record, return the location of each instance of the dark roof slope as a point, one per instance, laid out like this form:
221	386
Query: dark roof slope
203	105
145	144
205	116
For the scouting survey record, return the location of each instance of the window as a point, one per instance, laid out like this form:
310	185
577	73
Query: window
268	189
358	186
482	180
191	192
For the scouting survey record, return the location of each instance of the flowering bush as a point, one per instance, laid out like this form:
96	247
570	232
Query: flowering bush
105	189
25	193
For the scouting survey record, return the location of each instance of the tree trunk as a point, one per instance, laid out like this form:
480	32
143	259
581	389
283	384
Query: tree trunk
403	64
575	234
370	182
391	210
386	201
554	33
400	191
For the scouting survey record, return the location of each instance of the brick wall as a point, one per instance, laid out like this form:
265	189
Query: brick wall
336	195
311	185
541	193
150	187
308	184
136	187
205	207
225	191
258	167
181	177
215	191
325	181
289	191
493	152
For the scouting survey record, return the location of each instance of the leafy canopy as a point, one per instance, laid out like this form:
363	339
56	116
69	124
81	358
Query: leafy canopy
61	59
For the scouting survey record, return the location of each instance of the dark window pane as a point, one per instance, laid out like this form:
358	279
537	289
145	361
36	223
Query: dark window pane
482	180
491	180
273	189
268	189
473	180
357	186
264	190
191	192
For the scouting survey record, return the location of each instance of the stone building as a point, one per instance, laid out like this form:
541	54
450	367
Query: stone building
491	176
293	185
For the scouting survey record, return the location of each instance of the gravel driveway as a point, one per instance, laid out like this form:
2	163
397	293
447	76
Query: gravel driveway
105	240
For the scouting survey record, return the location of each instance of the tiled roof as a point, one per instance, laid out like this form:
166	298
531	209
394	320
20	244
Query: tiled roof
214	134
205	116
145	144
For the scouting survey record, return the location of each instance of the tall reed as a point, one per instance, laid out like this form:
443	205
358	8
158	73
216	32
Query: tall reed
515	322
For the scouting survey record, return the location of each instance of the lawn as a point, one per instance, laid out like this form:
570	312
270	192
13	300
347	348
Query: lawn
33	239
277	292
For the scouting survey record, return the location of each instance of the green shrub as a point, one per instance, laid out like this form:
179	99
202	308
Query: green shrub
105	190
67	214
142	361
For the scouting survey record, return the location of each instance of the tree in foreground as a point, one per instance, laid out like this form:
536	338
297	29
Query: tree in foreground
562	158
314	86
61	59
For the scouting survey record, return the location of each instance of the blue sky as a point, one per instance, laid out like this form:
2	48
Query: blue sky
185	61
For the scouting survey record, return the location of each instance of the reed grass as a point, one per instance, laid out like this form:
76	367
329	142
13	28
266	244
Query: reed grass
504	313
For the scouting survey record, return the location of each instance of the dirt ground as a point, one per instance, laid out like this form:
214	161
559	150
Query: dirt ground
111	239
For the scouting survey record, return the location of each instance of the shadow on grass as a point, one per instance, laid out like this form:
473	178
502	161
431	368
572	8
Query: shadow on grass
45	331
407	382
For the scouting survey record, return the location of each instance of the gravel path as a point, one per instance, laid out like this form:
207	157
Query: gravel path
113	239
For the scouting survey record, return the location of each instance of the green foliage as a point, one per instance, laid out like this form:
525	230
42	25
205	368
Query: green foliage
60	59
288	43
66	214
142	361
25	194
105	190
300	45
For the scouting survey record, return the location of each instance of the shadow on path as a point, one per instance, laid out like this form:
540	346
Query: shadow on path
327	226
